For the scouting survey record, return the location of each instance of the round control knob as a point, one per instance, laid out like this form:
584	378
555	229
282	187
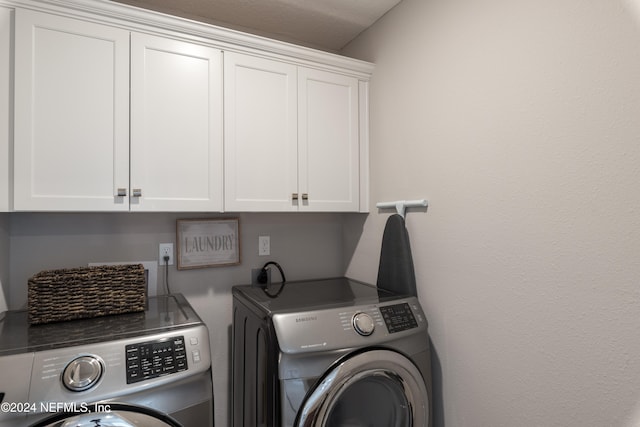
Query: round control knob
363	324
82	373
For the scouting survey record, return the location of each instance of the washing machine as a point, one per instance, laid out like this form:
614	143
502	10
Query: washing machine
331	352
150	368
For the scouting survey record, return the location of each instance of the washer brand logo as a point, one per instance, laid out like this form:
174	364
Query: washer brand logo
306	319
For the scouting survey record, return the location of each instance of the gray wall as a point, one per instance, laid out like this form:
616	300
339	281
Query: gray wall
520	122
306	245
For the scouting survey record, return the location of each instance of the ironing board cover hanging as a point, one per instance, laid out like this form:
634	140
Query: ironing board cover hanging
395	271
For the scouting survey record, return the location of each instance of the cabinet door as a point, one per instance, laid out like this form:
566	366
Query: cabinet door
176	125
71	114
5	99
328	141
260	134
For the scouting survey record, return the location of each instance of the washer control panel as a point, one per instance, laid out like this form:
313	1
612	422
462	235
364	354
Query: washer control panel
129	365
152	359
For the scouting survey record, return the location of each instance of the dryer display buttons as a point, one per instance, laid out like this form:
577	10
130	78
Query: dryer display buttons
398	317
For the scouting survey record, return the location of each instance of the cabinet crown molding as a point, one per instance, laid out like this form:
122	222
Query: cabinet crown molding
137	19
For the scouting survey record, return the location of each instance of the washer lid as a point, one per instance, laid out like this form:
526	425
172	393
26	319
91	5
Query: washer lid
110	415
163	312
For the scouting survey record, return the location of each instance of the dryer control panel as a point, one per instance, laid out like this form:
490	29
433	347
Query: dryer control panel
349	326
398	317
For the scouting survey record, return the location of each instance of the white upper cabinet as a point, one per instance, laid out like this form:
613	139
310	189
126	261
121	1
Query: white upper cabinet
328	158
6	165
261	151
176	125
106	123
119	109
291	137
71	114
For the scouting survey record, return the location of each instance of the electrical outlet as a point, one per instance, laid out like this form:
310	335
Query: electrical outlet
166	249
264	245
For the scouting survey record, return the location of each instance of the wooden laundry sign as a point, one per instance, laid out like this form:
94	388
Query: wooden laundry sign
207	242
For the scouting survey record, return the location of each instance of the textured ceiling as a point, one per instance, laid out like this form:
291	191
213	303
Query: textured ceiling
323	24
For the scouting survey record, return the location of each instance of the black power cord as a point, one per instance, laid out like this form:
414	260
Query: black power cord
263	278
166	274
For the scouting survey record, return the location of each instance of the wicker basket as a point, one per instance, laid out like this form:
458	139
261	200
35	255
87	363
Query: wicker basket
79	293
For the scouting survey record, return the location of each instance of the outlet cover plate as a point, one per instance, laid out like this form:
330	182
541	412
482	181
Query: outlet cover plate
165	248
264	245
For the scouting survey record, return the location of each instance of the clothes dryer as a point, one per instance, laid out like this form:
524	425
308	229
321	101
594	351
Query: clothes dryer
331	352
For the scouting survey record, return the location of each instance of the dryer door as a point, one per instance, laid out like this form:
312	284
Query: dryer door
375	388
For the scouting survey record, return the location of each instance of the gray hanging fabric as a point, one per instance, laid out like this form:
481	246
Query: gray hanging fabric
395	272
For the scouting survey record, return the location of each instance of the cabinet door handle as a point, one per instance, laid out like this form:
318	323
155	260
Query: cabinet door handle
294	196
136	192
122	192
305	196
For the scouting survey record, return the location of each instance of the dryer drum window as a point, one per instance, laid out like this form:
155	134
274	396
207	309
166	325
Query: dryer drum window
375	388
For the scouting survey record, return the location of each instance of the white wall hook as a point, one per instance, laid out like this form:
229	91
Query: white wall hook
402	205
